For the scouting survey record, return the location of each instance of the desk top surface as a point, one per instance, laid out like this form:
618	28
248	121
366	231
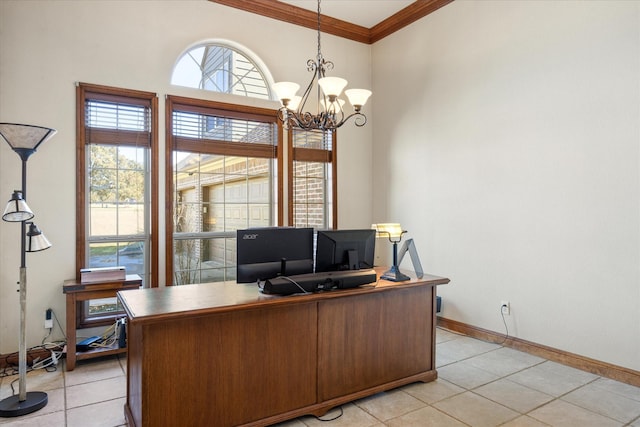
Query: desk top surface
178	301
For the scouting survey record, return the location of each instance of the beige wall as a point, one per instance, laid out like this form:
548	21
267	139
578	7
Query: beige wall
46	47
506	139
508	144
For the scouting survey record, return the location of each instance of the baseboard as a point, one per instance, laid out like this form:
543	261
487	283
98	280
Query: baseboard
618	373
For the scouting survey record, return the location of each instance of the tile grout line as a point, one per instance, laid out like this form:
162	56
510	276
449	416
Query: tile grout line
582	407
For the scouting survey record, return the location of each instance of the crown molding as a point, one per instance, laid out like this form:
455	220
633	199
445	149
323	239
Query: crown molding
337	27
415	11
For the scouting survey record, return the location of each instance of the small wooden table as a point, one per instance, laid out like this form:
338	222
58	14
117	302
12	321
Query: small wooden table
77	293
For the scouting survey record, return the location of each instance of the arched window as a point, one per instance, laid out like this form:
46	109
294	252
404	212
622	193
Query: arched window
222	67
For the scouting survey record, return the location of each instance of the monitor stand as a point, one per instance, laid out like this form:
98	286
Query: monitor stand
354	262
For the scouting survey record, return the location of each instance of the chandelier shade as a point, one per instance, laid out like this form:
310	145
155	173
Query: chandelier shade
324	91
285	91
17	209
332	86
357	97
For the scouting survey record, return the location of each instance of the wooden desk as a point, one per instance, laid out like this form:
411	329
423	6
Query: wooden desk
224	354
77	293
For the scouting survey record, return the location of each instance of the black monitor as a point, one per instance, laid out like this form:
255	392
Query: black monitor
345	250
264	253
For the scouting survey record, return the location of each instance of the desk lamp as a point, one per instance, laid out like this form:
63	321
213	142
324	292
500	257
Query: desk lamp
394	232
24	139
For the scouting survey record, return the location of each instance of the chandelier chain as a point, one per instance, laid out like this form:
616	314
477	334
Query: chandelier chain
319	51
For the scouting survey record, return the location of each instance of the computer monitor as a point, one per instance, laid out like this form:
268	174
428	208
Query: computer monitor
264	253
345	250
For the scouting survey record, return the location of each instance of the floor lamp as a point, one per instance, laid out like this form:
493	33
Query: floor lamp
24	140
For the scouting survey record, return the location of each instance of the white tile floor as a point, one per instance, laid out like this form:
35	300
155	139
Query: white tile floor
479	384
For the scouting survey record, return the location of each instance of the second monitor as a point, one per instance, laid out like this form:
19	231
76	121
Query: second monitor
338	250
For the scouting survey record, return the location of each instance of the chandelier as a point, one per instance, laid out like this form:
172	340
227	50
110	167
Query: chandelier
330	112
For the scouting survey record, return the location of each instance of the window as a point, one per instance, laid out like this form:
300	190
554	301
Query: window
219	67
117	183
223	67
222	174
312	179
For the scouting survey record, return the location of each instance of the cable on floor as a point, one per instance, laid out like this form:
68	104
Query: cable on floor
332	419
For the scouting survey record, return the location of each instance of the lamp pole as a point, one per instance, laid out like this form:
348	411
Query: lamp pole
22	339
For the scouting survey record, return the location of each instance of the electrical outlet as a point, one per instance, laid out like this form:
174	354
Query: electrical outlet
505	308
48	319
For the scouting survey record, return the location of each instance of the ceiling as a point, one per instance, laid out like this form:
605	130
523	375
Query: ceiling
365	13
365	21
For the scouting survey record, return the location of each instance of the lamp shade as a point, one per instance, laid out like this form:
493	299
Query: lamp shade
332	86
36	241
358	97
25	136
17	209
285	90
390	230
